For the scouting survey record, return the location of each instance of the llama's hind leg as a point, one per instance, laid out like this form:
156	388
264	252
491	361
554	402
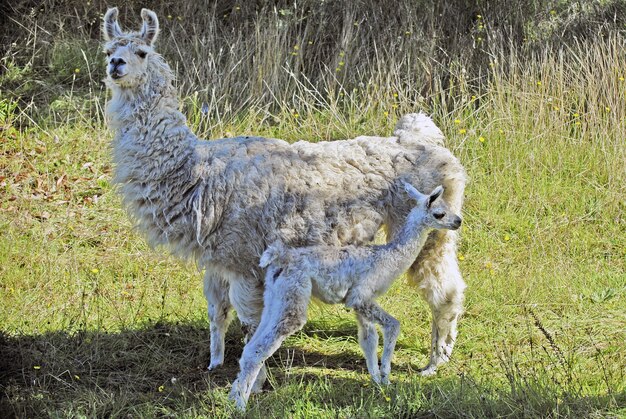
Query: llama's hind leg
437	274
220	316
368	313
284	313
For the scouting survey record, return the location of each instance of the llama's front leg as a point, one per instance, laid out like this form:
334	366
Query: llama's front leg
391	330
442	287
219	309
443	336
368	339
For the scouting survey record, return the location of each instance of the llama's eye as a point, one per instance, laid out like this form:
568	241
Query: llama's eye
142	53
108	53
438	215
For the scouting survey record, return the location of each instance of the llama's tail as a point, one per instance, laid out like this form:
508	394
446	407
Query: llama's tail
418	127
273	252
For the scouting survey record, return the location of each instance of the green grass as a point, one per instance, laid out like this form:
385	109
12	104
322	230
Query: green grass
94	323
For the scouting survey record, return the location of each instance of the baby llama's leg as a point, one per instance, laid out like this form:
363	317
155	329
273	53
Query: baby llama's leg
219	308
437	274
368	339
372	312
246	295
286	303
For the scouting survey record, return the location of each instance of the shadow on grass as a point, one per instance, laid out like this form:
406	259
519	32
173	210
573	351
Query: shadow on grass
161	370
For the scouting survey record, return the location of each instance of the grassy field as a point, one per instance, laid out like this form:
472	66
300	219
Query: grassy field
93	323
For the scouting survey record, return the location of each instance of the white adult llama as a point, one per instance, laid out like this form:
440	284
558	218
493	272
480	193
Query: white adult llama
222	202
352	275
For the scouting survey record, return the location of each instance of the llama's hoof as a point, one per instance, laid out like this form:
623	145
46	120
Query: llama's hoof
214	365
428	371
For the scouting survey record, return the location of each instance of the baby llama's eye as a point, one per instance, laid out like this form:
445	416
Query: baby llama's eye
438	215
142	53
108	53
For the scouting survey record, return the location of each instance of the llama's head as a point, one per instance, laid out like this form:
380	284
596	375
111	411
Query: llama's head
432	210
128	53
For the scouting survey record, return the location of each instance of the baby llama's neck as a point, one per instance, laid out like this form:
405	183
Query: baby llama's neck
409	241
152	139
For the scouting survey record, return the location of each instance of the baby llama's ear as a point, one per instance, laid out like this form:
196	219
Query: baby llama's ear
435	194
150	28
111	27
413	193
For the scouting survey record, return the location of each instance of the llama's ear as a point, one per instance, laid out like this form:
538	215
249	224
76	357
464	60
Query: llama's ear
435	194
150	28
111	27
413	193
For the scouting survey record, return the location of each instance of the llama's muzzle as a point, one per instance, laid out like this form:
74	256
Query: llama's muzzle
114	68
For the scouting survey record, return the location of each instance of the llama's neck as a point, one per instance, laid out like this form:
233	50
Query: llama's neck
151	135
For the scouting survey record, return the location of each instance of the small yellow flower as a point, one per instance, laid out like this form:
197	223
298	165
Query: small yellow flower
76	377
507	237
501	131
606	108
488	265
576	115
294	53
36	367
77	70
492	272
462	131
341	63
385	113
161	388
237	8
341	54
95	270
461	257
394	106
296	47
179	18
553	12
479	17
310	42
169	17
577	123
538	82
296	115
555	108
457	121
473	97
621	79
356	23
480	27
395	95
407	33
481	139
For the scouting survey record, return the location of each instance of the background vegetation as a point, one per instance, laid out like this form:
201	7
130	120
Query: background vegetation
531	96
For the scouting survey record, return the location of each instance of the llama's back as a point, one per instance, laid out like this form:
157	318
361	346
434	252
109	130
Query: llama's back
254	191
